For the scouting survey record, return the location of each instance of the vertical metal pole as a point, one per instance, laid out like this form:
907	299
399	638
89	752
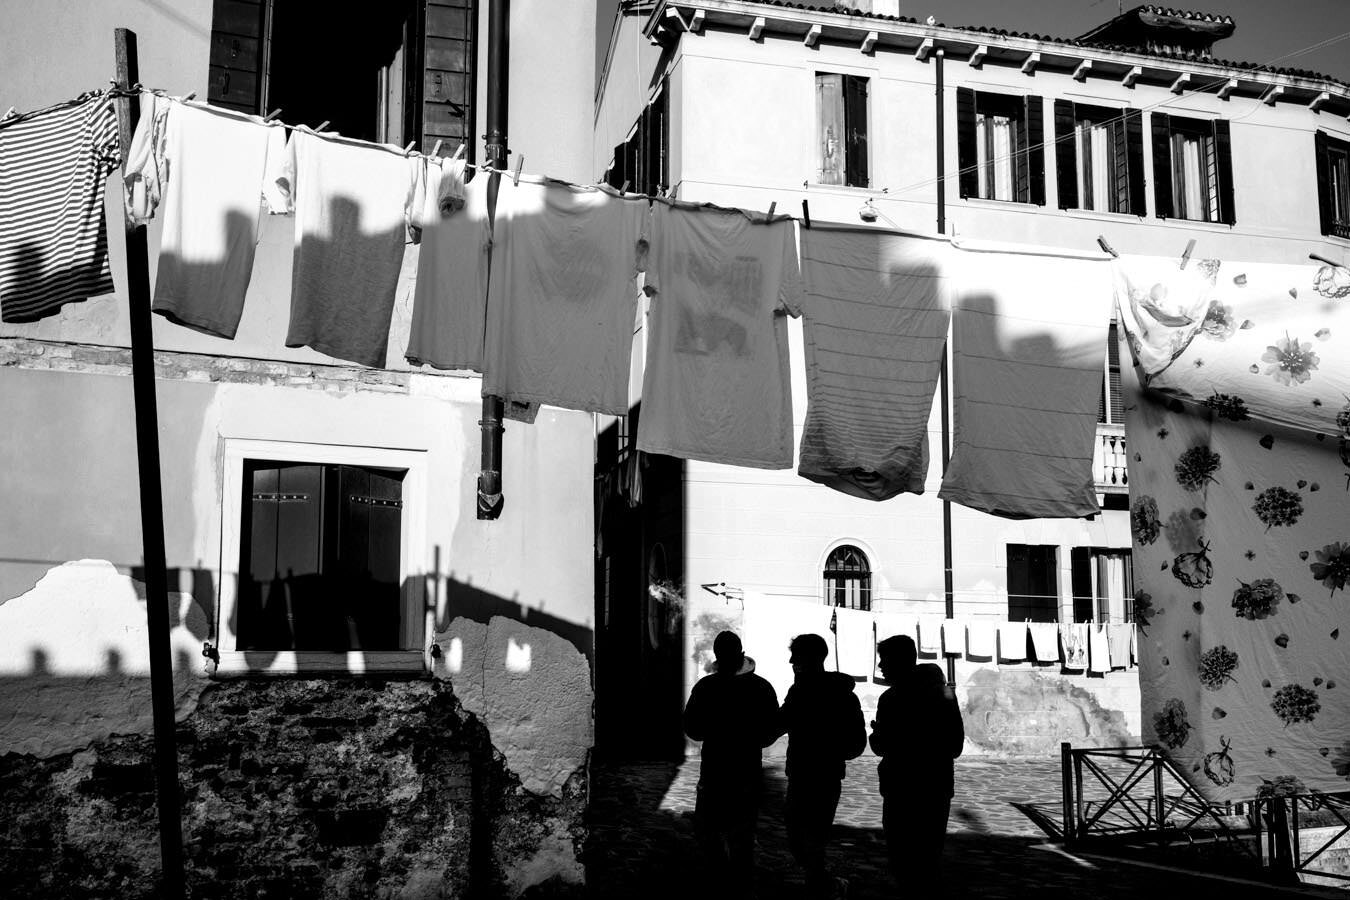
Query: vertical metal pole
498	78
943	375
152	504
1160	810
1066	790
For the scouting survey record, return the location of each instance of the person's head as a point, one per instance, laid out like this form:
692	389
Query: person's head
728	652
807	653
930	679
896	656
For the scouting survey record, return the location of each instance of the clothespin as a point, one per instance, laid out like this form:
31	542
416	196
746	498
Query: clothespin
411	145
1314	256
806	214
189	96
772	207
272	115
520	161
623	190
1107	248
1186	254
459	151
436	148
322	125
9	112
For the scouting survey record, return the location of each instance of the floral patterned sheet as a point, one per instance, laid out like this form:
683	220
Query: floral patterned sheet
1240	512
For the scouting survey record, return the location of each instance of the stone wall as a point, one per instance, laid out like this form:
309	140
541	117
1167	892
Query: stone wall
297	788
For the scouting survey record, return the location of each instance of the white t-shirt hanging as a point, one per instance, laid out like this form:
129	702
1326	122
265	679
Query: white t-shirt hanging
561	294
450	300
717	386
352	201
204	167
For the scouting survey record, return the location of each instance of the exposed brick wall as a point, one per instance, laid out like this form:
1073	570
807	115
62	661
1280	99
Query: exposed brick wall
31	354
291	788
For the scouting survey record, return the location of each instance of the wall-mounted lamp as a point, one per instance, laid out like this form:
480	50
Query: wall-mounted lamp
867	212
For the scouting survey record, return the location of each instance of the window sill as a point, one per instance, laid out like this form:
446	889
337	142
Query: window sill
1078	213
1026	205
1219	227
236	663
841	189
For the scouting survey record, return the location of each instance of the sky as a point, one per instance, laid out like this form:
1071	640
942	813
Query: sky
1266	29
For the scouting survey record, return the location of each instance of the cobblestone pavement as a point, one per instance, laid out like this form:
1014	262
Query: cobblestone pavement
642	842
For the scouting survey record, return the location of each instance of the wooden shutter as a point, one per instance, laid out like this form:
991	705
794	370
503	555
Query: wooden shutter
282	535
1021	155
364	587
967	160
1066	155
1223	152
1120	170
1080	573
1162	164
1326	208
1134	152
855	127
236	64
1034	115
830	128
449	50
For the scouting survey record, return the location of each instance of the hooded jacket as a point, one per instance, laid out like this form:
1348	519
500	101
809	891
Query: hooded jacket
733	715
824	724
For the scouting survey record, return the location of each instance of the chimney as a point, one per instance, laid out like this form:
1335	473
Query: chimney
871	7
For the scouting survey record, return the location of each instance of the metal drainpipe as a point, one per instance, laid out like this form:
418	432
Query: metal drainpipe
944	374
490	498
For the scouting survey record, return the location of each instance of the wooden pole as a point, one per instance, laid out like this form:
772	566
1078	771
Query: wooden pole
152	504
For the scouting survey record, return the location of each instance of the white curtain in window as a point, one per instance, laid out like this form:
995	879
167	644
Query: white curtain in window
995	142
1111	587
1095	188
1190	192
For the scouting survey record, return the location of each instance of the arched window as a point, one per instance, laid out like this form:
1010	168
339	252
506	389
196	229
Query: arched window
848	578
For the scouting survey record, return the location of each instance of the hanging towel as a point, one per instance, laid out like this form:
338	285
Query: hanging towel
353	204
980	638
450	299
874	314
1029	346
771	623
953	637
1075	638
1162	305
53	234
1012	641
561	294
1118	638
1045	641
717	386
204	168
1099	649
890	624
857	652
930	634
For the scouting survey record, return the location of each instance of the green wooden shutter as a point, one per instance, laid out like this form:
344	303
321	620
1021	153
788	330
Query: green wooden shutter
967	160
1134	151
1223	152
1325	205
1066	155
855	130
830	128
449	51
1034	117
237	54
1162	164
1120	166
1021	156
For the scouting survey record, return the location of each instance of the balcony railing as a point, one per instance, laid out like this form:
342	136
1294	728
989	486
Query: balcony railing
1108	462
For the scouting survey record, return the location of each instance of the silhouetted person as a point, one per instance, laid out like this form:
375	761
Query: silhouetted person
824	724
917	733
733	712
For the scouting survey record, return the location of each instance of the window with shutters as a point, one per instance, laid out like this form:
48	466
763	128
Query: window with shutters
315	555
841	129
392	71
848	578
1103	585
1333	185
1099	155
1033	583
1111	404
642	161
1000	146
1192	169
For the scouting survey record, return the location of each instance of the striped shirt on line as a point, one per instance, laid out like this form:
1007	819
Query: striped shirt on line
53	234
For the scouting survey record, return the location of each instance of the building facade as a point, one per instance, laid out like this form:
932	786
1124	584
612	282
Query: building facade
1134	132
376	691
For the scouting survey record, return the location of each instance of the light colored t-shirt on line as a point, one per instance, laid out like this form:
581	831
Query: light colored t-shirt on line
717	386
